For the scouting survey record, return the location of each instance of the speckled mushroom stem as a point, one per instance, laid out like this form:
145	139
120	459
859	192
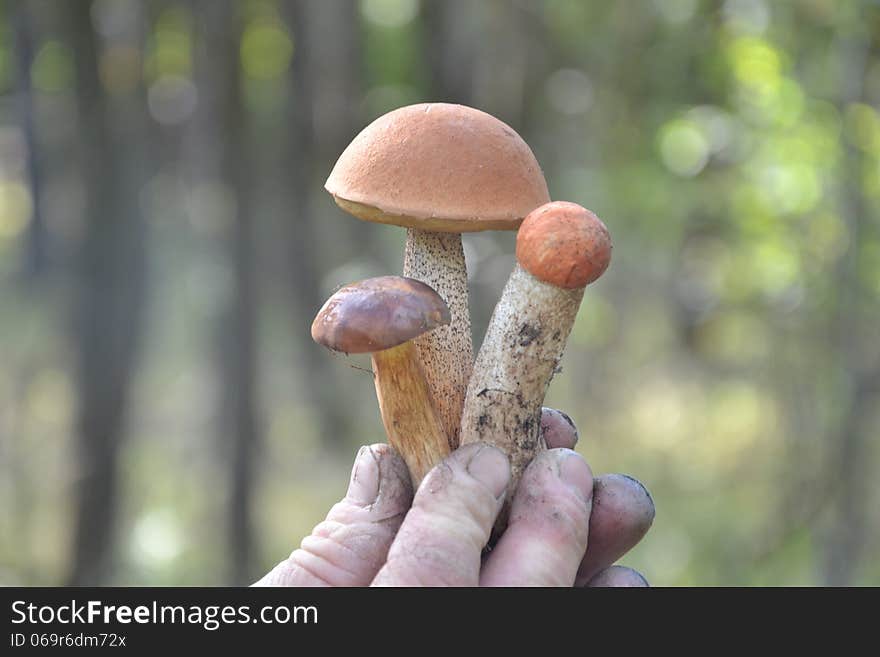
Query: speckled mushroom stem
520	352
561	247
411	421
446	352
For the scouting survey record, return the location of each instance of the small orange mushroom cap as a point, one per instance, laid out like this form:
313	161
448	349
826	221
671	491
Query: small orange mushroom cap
439	167
563	244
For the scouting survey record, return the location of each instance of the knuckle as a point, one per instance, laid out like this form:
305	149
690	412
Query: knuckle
559	514
466	511
337	554
435	557
348	544
450	528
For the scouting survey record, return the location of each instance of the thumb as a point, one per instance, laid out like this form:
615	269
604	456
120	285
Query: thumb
349	547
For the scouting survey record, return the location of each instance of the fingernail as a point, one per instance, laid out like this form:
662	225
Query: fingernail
557	428
363	488
575	473
640	486
491	468
565	417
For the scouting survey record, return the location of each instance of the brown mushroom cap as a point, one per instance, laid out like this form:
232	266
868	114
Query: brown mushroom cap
377	314
439	167
563	244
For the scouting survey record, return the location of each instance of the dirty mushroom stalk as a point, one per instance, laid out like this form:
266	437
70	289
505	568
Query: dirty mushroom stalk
560	249
381	316
440	170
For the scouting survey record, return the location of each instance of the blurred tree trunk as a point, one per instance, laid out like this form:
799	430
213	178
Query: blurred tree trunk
847	471
451	49
37	239
111	276
501	67
323	117
481	54
224	120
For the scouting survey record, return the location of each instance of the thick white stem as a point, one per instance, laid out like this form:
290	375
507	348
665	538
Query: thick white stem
520	353
446	352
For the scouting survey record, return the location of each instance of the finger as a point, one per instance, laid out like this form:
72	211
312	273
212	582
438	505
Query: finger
350	546
557	429
549	521
618	577
443	535
623	511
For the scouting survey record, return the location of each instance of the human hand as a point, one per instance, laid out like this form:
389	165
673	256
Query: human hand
566	527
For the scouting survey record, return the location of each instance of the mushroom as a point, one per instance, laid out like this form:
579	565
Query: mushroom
381	316
440	170
561	247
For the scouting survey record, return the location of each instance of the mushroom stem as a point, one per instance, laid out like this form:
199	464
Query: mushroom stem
408	413
519	355
560	249
446	352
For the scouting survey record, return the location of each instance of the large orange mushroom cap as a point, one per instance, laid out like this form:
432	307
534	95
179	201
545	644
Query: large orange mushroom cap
563	244
440	167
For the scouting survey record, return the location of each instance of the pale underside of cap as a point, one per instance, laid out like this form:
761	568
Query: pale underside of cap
441	167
